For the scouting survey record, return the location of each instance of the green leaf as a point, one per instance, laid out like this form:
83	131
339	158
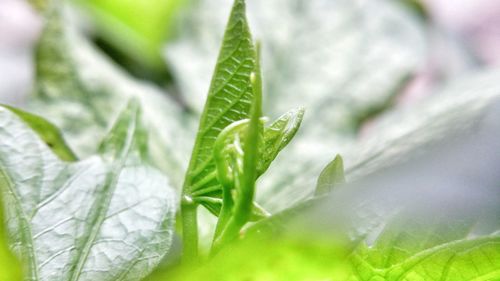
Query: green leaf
81	91
128	122
331	176
474	259
237	169
267	259
278	135
275	138
94	219
10	268
49	133
229	99
467	259
338	58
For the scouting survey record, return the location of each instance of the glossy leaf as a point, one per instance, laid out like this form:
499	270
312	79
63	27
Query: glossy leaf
90	220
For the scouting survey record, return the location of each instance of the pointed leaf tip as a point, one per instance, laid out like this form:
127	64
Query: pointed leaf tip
331	176
127	132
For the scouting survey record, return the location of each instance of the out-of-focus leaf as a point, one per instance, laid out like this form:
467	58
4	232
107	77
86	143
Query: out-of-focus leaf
340	59
97	219
268	259
137	28
467	259
331	176
81	91
399	134
10	268
49	133
119	135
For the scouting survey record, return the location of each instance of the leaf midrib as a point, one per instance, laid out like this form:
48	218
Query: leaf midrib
27	242
102	205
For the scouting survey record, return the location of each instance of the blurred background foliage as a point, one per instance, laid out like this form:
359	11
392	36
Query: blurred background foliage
380	79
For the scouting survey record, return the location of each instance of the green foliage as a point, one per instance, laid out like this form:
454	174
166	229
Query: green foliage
137	28
277	259
228	149
338	58
10	268
81	92
110	216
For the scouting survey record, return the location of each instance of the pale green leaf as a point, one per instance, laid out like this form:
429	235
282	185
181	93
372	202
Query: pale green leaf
10	268
128	122
82	91
90	220
49	133
331	176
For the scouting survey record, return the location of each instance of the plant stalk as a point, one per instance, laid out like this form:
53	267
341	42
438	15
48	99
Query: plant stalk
189	213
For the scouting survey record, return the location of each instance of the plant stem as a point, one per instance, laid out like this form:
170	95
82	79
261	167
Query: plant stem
189	229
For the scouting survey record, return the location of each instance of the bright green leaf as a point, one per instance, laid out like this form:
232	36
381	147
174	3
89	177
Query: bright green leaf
276	136
270	260
87	220
10	268
137	28
338	58
467	259
229	98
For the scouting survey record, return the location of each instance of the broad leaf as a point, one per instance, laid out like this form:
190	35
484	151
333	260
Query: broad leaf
97	219
81	91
